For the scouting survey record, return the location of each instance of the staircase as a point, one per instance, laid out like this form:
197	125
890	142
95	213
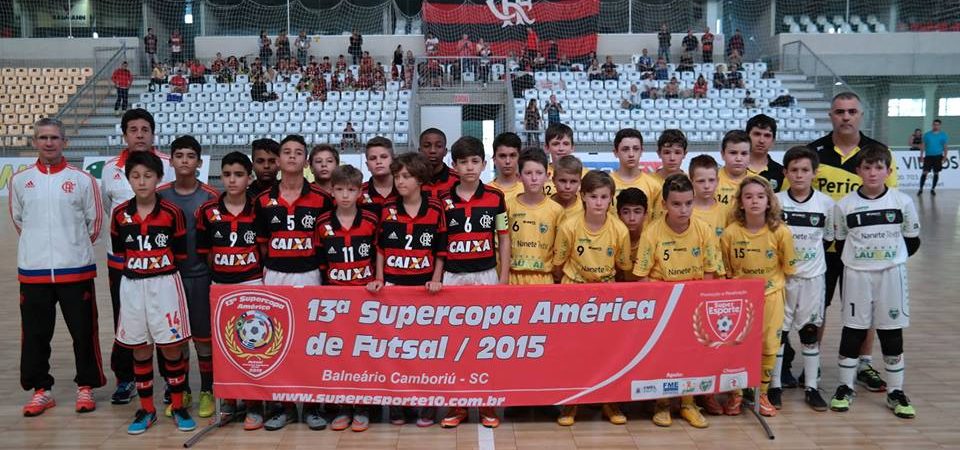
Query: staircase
810	97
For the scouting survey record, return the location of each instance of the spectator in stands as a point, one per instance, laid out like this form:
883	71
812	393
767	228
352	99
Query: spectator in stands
720	77
734	61
533	43
349	137
176	47
179	84
552	110
644	62
631	99
660	71
483	70
349	82
158	76
233	64
686	62
283	46
564	64
355	49
663	38
122	79
465	49
690	42
707	40
553	54
650	87
341	64
672	90
539	62
768	74
265	51
217	63
318	92
325	65
366	64
700	87
735	80
259	92
397	56
735	44
409	60
196	72
531	122
150	47
594	72
432	44
303	47
225	75
305	85
610	69
749	102
915	140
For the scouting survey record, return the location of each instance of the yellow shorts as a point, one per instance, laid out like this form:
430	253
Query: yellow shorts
530	277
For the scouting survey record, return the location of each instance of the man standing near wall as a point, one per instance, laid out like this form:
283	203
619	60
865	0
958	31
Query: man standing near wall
150	47
933	151
837	177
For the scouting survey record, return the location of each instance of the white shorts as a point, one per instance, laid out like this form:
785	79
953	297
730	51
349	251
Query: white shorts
274	278
876	299
485	278
804	304
153	311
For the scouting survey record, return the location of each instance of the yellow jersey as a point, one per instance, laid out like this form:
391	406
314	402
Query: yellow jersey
533	231
717	216
665	255
591	257
548	187
574	210
655	209
767	254
508	192
645	182
628	274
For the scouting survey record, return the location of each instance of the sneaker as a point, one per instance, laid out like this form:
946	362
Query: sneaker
454	417
870	379
661	414
361	421
787	381
766	408
711	405
253	421
125	393
397	416
85	401
227	409
187	401
427	417
342	420
141	421
691	413
183	420
899	403
39	402
206	407
920	192
568	415
775	395
933	192
612	412
280	418
813	398
734	405
488	417
842	398
313	417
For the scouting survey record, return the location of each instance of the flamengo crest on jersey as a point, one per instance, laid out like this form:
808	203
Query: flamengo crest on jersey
811	221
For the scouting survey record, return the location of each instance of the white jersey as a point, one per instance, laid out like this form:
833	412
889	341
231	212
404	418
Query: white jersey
874	230
811	221
116	189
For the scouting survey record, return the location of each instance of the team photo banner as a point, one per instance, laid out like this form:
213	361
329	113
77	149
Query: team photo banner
486	345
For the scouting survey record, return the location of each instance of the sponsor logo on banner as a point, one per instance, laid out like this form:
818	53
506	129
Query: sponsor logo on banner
722	322
94	166
731	381
10	166
257	333
651	389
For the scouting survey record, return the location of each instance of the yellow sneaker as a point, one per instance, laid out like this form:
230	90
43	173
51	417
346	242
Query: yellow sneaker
612	412
206	407
187	402
567	416
691	413
661	414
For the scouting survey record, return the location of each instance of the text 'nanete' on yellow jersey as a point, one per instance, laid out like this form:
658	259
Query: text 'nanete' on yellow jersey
533	231
592	257
767	254
665	255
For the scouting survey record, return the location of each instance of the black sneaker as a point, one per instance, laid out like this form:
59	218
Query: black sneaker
775	395
933	192
920	192
900	404
125	393
787	381
841	400
813	398
870	379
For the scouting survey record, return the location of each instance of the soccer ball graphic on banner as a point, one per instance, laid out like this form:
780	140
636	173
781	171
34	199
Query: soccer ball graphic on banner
254	329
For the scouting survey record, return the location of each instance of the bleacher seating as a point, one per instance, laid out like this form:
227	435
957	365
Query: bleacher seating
30	93
593	110
838	24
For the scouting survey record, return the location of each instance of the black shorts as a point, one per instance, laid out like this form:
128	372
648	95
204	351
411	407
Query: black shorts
197	290
934	163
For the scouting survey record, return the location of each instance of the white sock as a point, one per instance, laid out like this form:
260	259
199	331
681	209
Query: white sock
865	360
848	371
777	368
894	366
811	365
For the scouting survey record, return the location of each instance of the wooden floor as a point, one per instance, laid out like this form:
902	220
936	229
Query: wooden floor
932	382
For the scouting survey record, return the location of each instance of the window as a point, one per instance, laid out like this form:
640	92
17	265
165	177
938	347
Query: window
906	107
949	106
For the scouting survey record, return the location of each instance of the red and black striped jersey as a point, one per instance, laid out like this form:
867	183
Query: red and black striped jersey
149	246
371	199
347	254
472	228
411	244
258	187
441	182
287	229
229	242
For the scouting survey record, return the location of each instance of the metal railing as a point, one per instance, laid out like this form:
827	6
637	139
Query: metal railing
88	98
466	73
797	58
